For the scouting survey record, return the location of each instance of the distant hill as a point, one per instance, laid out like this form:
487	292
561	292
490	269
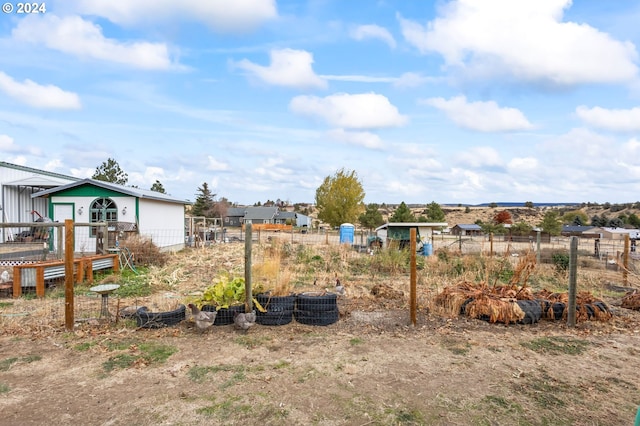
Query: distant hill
515	204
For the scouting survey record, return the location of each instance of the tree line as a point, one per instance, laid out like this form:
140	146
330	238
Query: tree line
340	199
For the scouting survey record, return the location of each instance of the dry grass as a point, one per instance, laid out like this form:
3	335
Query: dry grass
445	281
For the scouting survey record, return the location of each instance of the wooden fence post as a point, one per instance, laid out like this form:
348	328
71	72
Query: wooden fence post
68	274
248	290
491	244
413	296
573	282
625	261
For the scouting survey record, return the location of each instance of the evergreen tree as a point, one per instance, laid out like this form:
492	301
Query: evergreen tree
110	171
402	214
204	205
371	218
157	187
551	223
434	212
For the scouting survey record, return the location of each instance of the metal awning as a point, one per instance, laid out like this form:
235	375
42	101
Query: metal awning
37	182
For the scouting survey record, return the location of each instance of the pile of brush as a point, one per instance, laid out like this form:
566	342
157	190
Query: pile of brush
514	304
631	300
517	305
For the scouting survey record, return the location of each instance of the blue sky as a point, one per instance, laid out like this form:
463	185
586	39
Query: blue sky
448	101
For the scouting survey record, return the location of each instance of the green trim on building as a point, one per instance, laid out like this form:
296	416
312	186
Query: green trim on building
89	191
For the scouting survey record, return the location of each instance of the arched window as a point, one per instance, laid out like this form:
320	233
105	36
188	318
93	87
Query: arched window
102	209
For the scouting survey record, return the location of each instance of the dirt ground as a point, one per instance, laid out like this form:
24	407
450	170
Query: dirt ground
369	368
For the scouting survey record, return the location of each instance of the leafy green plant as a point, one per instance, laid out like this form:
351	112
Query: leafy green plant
226	292
561	261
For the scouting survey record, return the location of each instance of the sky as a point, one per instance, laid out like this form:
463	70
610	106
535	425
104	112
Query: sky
458	102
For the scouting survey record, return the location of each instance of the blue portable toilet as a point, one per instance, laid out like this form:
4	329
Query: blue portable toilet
427	249
347	232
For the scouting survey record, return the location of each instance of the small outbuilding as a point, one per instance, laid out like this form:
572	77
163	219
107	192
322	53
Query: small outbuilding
157	216
467	230
399	232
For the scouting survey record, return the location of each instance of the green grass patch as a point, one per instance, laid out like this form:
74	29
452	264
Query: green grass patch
557	345
199	373
229	409
499	405
143	353
281	364
120	361
356	341
407	417
4	388
235	378
134	285
251	342
6	363
547	392
457	347
5	304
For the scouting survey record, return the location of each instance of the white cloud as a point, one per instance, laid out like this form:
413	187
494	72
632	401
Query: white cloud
342	110
628	154
20	160
220	15
525	39
289	68
411	80
82	172
216	165
359	78
522	165
364	139
75	36
6	143
480	116
625	120
479	156
363	32
38	96
53	165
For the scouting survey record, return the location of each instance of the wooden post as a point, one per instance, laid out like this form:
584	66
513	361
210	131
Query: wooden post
40	281
625	261
247	267
413	294
573	282
538	238
17	281
68	274
491	244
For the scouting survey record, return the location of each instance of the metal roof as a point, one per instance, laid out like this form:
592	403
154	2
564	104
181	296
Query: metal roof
38	171
257	213
38	182
469	226
413	225
126	190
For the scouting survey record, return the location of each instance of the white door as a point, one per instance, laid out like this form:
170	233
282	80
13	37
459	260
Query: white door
61	212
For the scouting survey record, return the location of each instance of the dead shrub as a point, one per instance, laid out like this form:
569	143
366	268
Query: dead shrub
144	251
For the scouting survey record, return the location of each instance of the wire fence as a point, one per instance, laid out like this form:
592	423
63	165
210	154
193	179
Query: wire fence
135	251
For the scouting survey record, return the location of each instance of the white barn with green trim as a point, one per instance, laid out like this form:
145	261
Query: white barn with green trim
157	216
